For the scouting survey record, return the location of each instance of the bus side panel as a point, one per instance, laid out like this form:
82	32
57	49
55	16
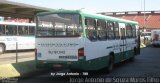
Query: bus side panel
22	42
130	45
26	42
97	53
9	42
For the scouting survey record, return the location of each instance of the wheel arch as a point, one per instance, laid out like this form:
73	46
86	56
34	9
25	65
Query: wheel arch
3	45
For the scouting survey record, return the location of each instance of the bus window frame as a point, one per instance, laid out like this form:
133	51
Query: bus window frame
23	33
78	35
91	37
128	31
29	32
116	25
15	27
7	31
102	33
110	30
3	30
134	31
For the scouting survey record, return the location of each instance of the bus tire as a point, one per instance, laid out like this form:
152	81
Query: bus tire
134	54
111	64
132	59
2	48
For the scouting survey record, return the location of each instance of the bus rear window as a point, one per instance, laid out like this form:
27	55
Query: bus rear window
56	25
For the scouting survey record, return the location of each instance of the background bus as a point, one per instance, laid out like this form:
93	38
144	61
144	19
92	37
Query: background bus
12	32
155	37
146	35
80	40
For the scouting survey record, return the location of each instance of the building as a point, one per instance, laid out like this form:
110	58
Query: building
12	11
147	20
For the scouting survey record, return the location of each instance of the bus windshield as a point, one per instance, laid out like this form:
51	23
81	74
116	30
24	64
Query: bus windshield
56	25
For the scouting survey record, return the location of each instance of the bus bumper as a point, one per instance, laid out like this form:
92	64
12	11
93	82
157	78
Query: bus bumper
57	65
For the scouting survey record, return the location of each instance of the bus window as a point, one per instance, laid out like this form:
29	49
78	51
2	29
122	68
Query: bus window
31	30
90	26
64	25
101	27
22	30
2	30
110	26
134	31
116	30
129	31
11	30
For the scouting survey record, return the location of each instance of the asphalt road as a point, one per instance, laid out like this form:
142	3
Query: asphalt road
145	69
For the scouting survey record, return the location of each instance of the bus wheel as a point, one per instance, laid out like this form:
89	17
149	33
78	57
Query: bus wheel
132	58
2	48
111	64
134	54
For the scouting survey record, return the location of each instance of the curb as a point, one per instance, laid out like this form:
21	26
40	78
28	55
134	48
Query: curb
21	69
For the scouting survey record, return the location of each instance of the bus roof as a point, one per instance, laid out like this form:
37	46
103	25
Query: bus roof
16	23
89	14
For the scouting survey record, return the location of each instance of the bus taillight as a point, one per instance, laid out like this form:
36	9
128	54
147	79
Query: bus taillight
81	53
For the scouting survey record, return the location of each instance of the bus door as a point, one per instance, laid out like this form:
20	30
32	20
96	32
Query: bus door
122	41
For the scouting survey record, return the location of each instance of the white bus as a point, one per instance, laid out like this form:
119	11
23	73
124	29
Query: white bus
12	33
146	35
79	40
155	37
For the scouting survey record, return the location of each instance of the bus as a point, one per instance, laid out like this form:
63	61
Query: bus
80	40
155	36
20	36
146	35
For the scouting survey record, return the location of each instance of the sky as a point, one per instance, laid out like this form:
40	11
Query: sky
97	6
